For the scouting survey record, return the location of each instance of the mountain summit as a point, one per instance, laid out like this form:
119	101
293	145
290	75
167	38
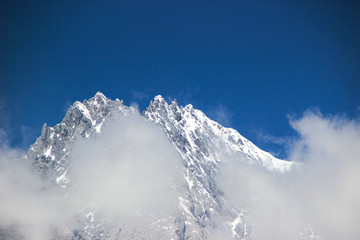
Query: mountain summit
202	145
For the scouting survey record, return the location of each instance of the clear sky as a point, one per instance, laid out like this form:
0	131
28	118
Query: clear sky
248	64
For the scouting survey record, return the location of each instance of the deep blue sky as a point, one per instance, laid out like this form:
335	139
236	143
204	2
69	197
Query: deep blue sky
257	61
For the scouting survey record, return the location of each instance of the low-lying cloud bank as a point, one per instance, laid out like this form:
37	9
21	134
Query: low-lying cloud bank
322	197
26	202
130	169
126	172
327	187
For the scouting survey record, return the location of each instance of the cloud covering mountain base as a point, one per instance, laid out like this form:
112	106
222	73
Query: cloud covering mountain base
130	173
319	198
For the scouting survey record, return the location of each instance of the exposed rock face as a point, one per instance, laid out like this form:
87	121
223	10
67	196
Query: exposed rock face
202	144
82	120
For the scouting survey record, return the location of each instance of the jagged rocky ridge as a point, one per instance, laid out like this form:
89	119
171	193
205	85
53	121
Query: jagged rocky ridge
194	136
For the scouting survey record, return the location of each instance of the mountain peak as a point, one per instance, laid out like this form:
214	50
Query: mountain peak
97	101
200	142
159	98
158	103
174	103
99	94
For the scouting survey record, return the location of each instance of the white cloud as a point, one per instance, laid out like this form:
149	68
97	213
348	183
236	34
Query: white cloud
130	168
128	171
138	96
27	136
328	183
135	106
272	139
27	203
323	193
221	114
261	194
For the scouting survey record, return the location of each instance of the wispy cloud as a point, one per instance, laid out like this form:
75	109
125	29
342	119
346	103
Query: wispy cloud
138	96
279	145
221	114
66	106
4	113
5	120
27	136
272	139
186	94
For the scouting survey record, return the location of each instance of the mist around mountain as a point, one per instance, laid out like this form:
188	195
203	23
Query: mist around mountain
108	172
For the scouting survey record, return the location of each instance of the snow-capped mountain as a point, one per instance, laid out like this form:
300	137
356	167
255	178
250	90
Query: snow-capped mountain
202	144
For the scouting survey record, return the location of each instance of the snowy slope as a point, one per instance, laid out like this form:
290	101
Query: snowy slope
202	144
